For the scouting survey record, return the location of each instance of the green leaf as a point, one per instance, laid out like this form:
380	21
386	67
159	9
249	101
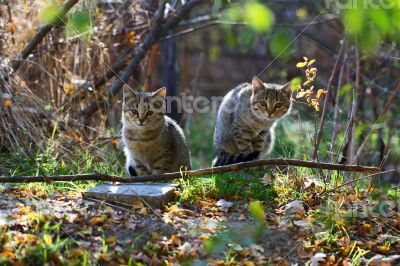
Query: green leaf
246	37
79	23
233	13
354	20
258	16
48	12
47	239
213	53
381	19
296	83
279	44
346	88
257	211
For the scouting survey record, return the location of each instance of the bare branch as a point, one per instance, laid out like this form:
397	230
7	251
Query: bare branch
384	110
158	29
327	100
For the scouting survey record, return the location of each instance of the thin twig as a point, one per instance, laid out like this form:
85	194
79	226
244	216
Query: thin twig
327	100
358	179
159	28
383	112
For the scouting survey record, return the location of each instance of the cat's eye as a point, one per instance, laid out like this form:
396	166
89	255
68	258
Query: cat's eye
134	112
150	113
278	105
263	104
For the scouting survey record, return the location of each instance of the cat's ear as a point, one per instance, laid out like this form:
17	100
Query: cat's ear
160	92
257	84
128	92
287	89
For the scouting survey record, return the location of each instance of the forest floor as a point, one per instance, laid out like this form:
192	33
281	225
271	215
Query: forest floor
312	225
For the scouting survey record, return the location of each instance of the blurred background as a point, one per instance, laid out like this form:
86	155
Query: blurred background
58	114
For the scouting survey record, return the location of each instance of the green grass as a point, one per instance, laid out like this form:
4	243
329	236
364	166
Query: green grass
48	164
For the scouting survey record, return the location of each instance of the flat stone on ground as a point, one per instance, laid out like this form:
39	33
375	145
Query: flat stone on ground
156	195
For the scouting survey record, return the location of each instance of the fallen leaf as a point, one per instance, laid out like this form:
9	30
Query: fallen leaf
294	207
111	239
266	180
317	258
224	205
137	205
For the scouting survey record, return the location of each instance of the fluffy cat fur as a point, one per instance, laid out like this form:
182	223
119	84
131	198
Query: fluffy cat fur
246	120
154	143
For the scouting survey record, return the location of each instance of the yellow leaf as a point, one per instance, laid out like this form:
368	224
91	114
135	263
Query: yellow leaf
167	263
320	92
305	58
111	239
7	254
47	239
137	205
175	240
8	102
144	211
69	88
383	249
203	237
307	82
301	64
99	219
312	61
248	263
301	93
104	256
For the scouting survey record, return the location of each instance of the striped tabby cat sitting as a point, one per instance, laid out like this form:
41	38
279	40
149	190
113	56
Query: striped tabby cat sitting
154	143
246	120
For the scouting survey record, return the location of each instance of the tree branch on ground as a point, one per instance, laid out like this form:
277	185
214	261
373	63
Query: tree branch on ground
199	172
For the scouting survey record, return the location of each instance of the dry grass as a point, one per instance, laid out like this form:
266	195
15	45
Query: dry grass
40	103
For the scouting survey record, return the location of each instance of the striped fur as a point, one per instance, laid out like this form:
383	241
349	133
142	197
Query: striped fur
246	120
154	143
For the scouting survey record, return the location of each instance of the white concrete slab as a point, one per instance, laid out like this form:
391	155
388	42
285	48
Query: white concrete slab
156	195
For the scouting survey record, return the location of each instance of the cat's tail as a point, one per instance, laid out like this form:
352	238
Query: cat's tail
226	158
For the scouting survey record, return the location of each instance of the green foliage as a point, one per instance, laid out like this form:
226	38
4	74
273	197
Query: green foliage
246	37
79	24
199	135
193	189
279	44
49	164
367	24
245	185
49	11
258	16
257	19
257	211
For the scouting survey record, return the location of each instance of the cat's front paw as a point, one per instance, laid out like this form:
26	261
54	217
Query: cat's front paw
132	171
251	156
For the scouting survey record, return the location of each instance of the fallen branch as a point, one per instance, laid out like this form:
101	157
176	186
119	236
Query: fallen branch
41	33
199	172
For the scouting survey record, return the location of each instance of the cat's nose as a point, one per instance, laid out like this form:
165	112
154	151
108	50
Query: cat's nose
141	120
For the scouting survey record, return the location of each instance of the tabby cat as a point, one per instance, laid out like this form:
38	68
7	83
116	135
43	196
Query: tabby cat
246	120
154	143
